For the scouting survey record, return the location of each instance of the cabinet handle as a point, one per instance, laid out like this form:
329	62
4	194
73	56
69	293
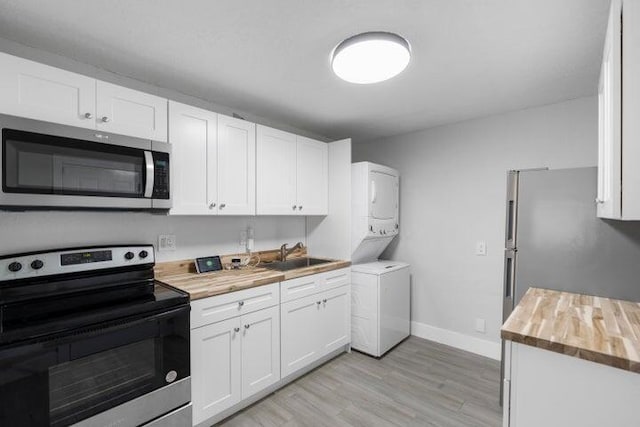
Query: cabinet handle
294	207
212	205
236	329
222	205
88	115
247	326
105	119
599	201
240	303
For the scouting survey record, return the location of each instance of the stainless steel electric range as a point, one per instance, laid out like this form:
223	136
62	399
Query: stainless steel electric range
89	338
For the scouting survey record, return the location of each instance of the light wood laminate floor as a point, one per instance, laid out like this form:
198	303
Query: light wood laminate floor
419	383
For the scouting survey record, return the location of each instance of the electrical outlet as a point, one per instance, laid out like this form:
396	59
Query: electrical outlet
481	326
481	248
167	242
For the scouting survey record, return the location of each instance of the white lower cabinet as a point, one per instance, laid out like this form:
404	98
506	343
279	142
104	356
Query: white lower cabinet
215	368
247	341
233	359
300	329
314	326
260	350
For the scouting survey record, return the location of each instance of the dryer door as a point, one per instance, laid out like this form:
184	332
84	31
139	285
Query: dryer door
383	196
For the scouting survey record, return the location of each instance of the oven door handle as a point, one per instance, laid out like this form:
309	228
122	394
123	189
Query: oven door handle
150	177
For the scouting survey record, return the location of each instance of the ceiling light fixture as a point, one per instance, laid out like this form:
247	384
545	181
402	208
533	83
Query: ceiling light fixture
371	57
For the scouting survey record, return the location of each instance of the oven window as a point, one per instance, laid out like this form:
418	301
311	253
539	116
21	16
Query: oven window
42	164
100	377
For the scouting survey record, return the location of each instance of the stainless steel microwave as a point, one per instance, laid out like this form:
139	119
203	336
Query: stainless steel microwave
47	165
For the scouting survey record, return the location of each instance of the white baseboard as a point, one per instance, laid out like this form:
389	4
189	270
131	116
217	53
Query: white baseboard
456	339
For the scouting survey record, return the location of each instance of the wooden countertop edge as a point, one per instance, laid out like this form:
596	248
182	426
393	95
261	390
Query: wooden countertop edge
573	351
196	295
278	276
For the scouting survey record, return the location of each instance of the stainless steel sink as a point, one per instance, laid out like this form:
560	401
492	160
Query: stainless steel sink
294	263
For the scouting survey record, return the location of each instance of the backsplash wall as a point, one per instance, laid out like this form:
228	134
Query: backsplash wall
195	236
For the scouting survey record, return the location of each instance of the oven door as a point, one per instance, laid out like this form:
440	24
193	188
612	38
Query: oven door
49	165
73	377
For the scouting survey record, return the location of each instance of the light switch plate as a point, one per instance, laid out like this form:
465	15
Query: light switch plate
481	326
481	248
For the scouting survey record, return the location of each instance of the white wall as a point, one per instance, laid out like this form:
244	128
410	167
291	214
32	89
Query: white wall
453	181
196	236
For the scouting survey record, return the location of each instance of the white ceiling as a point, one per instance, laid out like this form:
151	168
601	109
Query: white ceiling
471	58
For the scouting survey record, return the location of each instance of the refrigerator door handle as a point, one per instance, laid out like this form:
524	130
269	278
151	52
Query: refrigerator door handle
512	209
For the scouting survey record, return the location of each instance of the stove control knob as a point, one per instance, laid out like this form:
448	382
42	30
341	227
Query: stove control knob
37	264
129	255
143	254
15	266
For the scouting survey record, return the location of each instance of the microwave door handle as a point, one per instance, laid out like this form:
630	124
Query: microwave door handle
148	160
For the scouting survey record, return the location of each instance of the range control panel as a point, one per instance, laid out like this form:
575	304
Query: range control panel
39	264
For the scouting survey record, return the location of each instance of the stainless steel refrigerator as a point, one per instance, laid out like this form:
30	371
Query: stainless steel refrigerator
554	239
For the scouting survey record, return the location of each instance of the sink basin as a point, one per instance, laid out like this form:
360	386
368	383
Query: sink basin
294	263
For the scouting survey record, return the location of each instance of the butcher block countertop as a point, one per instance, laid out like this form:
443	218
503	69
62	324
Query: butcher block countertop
182	275
601	330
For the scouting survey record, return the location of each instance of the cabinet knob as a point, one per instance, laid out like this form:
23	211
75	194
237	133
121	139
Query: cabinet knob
236	329
294	207
88	115
318	302
599	201
222	205
105	119
300	207
324	301
212	205
247	326
240	303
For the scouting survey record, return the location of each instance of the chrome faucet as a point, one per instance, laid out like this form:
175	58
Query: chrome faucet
284	252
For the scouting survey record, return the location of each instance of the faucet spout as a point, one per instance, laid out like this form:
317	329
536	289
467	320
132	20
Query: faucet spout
284	252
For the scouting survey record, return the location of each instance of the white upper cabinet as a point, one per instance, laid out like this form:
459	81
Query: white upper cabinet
312	177
193	138
609	201
213	162
276	170
37	91
130	112
619	105
292	174
236	166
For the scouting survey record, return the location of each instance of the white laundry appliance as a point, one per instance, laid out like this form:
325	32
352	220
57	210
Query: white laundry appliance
381	300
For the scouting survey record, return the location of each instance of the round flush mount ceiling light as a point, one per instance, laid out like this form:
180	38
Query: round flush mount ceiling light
371	57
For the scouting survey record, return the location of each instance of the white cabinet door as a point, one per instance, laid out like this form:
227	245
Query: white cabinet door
193	138
610	120
260	350
130	112
276	172
215	366
236	166
41	92
335	319
300	329
312	177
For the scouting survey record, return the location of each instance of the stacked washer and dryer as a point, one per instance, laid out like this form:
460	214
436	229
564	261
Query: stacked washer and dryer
381	299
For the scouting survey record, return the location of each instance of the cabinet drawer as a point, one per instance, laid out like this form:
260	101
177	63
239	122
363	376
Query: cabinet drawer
308	285
217	308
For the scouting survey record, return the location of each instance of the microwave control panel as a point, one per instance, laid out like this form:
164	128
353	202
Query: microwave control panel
160	175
